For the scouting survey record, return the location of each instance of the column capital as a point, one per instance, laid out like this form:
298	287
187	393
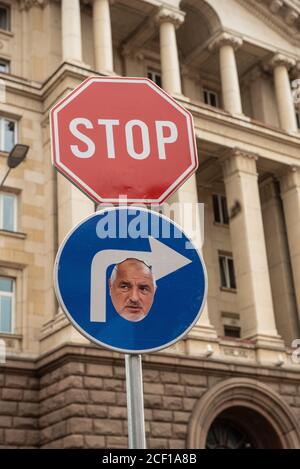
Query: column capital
295	72
224	39
27	4
254	74
289	178
170	15
238	160
281	60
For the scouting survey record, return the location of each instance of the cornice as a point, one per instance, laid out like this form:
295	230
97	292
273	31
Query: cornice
279	15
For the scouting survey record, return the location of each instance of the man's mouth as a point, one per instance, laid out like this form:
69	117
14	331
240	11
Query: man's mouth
133	308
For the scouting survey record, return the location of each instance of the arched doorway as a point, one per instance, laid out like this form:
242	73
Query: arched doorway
241	428
241	412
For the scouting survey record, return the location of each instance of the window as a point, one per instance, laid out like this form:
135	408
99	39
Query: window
154	76
8	134
220	209
7	289
227	272
4	66
298	118
211	98
232	331
4	17
8	211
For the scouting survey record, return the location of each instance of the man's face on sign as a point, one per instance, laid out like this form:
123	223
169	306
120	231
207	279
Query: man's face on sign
132	288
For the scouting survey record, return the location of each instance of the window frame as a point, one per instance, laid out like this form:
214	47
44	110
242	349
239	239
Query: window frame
15	214
210	92
5	62
3	119
232	328
222	214
12	295
6	7
155	73
227	276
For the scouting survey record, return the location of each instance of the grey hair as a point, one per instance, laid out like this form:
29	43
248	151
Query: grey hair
115	270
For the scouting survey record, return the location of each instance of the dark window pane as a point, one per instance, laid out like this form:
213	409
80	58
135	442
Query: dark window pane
4	18
9	135
213	100
158	80
4	66
232	331
206	99
222	266
217	216
224	210
231	273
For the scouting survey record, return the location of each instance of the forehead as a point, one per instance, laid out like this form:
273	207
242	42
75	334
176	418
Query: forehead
133	270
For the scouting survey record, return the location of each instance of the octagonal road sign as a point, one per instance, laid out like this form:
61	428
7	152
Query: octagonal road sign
123	139
129	279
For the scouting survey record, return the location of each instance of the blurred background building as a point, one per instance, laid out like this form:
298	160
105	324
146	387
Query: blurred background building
234	381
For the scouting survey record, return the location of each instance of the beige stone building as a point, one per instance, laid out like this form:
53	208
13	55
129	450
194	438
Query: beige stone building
234	381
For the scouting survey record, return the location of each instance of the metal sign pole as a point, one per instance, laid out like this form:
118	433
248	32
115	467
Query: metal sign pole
135	402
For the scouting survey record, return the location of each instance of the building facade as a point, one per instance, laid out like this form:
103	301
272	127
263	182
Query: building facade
234	381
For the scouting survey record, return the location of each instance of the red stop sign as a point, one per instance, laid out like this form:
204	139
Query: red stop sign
123	139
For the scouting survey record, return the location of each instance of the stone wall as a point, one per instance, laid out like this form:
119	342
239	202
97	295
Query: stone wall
78	400
19	410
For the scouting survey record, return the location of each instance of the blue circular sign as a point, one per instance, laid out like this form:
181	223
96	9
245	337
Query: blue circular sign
130	280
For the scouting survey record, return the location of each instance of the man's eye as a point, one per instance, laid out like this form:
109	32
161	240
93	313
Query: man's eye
124	287
145	289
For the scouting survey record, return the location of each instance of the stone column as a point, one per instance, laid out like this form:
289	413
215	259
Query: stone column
102	36
72	206
290	193
249	249
169	19
286	109
284	300
296	86
71	31
227	44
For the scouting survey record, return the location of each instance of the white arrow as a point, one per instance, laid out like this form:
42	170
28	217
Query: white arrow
163	260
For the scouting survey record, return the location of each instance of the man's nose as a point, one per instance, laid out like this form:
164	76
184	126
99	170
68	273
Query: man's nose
134	294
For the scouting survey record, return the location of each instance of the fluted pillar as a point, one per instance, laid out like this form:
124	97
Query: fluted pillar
286	109
169	19
249	249
71	31
227	44
102	36
290	193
